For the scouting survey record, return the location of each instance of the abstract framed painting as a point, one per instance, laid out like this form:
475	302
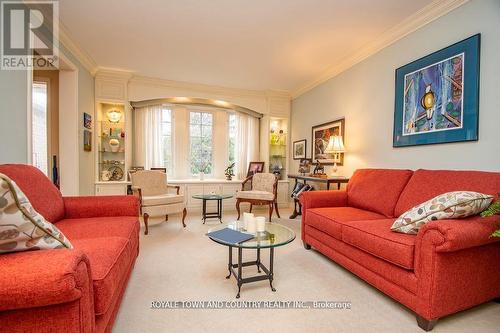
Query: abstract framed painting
437	96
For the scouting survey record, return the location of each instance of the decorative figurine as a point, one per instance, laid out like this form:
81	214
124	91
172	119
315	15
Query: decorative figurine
229	172
319	169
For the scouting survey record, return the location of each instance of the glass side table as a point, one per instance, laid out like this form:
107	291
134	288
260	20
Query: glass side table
206	197
275	235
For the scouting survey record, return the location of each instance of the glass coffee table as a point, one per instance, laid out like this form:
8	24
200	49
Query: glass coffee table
275	235
207	197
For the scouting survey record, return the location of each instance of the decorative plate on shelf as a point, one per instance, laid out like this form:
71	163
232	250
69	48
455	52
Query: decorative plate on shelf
116	173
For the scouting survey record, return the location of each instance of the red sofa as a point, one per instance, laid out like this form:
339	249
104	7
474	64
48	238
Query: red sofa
77	290
449	266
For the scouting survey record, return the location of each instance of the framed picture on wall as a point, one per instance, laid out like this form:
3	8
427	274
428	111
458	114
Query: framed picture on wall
255	167
299	149
320	138
87	120
87	140
305	166
437	96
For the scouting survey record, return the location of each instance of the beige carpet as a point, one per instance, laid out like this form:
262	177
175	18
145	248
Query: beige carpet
177	264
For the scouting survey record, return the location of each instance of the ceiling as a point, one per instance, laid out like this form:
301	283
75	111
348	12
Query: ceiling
260	44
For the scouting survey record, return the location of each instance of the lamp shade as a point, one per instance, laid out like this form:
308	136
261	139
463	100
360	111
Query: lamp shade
335	145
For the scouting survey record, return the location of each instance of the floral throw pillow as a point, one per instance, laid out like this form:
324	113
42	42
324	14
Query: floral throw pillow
451	205
21	227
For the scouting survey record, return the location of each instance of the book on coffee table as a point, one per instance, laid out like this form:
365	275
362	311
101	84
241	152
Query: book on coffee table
227	235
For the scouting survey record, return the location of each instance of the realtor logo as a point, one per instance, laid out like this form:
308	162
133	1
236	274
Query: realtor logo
29	35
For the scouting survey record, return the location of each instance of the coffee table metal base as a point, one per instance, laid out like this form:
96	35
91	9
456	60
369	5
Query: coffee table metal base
268	273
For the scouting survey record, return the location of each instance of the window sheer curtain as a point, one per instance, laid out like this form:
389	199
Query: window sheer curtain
247	143
148	150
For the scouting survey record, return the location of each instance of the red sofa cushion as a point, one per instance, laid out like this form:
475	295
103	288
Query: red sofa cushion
377	190
357	260
111	244
426	184
330	219
96	227
376	238
110	260
43	195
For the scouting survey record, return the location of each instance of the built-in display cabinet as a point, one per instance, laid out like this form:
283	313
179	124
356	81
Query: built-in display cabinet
278	147
112	134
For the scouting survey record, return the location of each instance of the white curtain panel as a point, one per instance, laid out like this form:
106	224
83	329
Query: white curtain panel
247	143
148	141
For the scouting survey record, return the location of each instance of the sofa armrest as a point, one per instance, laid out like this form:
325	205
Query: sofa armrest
101	206
317	199
458	234
46	277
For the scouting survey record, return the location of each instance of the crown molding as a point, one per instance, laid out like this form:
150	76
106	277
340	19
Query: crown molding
414	22
83	57
137	79
113	73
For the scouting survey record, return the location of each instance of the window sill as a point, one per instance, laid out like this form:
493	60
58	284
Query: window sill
205	181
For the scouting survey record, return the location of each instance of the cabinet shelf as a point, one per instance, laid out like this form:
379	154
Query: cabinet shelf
112	152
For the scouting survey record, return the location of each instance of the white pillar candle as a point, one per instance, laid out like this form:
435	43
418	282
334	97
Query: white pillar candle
260	222
246	218
251	226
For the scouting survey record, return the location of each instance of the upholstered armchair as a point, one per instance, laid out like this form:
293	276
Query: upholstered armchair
156	197
263	191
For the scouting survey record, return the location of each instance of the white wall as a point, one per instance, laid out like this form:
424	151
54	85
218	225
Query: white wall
364	94
13	116
14	123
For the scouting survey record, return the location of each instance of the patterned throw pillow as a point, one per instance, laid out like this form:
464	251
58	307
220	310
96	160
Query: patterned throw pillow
451	205
21	227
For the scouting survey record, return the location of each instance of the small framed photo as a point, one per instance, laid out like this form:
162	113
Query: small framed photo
255	167
300	149
305	165
87	120
87	140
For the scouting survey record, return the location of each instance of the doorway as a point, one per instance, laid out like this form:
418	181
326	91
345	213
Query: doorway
53	124
45	123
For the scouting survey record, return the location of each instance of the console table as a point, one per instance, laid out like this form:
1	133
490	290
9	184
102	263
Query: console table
329	180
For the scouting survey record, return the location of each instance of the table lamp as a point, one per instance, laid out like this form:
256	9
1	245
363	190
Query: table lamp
335	147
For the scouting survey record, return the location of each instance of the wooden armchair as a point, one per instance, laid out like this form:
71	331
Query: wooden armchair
264	191
155	198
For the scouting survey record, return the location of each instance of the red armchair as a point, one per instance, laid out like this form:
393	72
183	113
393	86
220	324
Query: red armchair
77	290
449	266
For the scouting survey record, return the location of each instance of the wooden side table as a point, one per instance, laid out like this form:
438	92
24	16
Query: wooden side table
330	180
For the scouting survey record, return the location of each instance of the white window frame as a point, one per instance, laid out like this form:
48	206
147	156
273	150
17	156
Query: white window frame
189	138
48	123
228	137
